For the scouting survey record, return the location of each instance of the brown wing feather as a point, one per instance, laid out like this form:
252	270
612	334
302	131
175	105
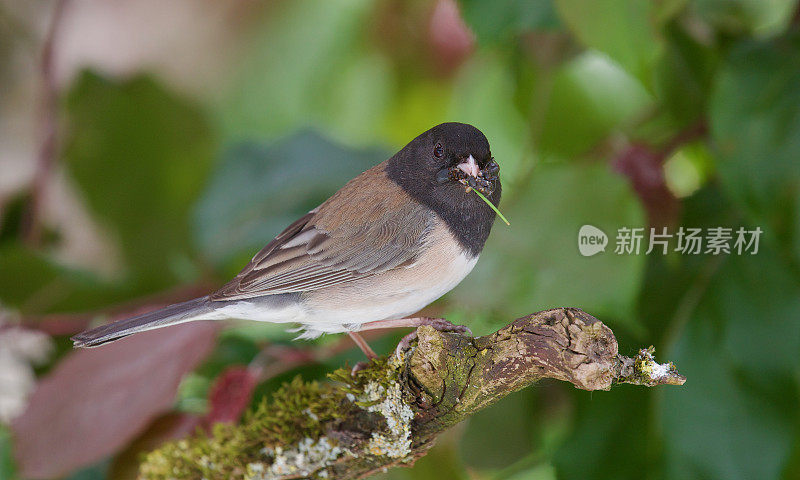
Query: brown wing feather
354	234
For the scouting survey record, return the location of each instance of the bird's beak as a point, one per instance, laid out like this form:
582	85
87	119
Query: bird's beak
469	166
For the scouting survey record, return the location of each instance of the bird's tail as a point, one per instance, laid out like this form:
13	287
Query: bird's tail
171	315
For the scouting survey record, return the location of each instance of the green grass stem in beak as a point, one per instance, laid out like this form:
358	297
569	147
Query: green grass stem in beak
503	218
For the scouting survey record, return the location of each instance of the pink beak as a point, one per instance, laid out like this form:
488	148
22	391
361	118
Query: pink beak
469	167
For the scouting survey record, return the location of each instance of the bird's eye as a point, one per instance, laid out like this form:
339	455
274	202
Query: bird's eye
438	151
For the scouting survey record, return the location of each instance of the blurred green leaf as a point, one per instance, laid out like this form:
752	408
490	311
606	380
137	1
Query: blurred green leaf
684	73
95	472
793	467
501	20
305	68
538	472
12	216
257	191
483	96
417	108
192	395
256	332
761	17
622	29
753	296
736	346
360	94
591	97
688	168
508	423
441	462
735	416
535	264
140	156
32	283
716	428
610	437
8	469
673	283
755	124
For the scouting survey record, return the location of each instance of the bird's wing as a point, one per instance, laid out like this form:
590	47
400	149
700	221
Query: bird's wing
355	234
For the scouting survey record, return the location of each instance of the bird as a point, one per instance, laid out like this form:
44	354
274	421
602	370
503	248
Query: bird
391	241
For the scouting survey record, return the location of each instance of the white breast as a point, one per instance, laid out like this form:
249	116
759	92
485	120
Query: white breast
385	297
394	294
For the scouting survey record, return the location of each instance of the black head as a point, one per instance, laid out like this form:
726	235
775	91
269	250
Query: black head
440	168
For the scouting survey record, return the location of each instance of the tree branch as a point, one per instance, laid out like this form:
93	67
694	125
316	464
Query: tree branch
390	413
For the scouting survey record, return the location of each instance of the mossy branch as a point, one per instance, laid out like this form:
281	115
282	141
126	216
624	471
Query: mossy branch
390	413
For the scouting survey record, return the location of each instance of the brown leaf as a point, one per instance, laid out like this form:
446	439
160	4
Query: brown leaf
98	400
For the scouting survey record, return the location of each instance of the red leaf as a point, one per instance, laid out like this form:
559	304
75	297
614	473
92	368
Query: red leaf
450	38
230	395
98	400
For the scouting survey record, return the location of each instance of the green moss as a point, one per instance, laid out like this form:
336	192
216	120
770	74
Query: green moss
295	412
294	417
381	370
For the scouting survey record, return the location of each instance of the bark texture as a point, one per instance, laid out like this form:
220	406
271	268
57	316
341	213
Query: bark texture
391	412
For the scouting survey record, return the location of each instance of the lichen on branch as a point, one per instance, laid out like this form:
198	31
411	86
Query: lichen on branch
390	413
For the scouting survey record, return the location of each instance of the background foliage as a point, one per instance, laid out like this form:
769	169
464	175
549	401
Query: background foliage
615	113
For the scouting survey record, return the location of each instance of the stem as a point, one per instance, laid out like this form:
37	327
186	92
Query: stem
493	207
32	227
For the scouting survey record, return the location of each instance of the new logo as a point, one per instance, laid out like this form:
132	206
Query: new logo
591	240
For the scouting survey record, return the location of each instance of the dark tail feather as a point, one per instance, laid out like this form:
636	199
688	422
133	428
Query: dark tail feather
171	315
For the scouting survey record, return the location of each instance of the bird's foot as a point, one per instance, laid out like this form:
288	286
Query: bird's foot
364	346
405	343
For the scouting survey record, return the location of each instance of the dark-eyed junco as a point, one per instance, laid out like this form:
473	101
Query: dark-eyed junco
391	241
